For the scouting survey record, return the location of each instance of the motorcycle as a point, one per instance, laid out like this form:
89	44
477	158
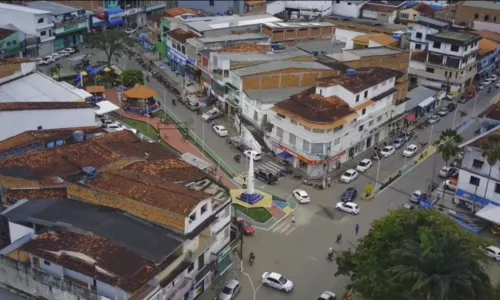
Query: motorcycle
237	158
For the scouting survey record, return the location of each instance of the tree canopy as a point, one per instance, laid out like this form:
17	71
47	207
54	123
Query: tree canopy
112	41
447	144
132	77
417	255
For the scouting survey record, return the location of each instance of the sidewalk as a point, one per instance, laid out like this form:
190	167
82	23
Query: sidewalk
169	134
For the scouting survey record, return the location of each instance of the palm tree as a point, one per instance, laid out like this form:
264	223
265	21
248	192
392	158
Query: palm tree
491	151
447	145
58	68
440	268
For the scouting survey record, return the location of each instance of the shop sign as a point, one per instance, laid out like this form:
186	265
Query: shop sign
132	11
69	17
223	253
308	161
65	28
176	56
191	60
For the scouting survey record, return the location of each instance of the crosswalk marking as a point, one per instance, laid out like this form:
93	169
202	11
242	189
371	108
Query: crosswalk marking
290	231
269	167
280	226
286	228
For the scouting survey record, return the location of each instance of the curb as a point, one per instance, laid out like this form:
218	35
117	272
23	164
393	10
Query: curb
368	198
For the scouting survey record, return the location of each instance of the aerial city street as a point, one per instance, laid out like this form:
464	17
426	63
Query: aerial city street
330	150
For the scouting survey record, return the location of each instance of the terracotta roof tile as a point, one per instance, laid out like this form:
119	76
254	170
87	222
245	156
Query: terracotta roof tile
179	11
479	143
140	92
424	9
173	170
490	35
14	106
365	78
492	112
379	8
130	271
35	194
315	108
181	35
486	46
246	48
4	32
96	89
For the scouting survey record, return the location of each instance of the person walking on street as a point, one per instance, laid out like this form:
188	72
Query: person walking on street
357	229
339	238
293	220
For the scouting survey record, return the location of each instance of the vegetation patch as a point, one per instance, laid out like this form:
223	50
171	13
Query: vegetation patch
258	214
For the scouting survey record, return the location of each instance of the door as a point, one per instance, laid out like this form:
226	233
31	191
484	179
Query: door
368	142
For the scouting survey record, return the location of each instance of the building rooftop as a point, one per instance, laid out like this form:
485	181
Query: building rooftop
418	95
16	106
172	170
179	11
375	51
35	193
232	37
282	25
425	21
492	112
231	22
273	96
246	48
322	46
181	35
4	32
380	38
396	28
490	35
53	8
483	4
94	256
454	36
395	3
262	57
364	79
22	8
37	87
314	108
279	65
424	9
379	8
146	239
487	47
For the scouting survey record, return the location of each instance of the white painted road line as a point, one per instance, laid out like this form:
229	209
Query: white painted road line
286	228
279	227
290	231
312	258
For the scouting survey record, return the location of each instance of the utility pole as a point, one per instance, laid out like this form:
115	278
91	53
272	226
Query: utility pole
326	163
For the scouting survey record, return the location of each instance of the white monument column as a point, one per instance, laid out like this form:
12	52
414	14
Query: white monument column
250	175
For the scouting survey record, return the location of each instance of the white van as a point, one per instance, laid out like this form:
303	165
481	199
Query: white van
256	155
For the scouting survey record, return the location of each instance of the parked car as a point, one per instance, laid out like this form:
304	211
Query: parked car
399	142
349	176
268	178
434	119
39	61
63	53
481	86
327	295
256	155
410	150
243	226
230	291
448	171
348	207
277	281
301	196
192	106
220	130
493	252
211	115
493	77
443	111
55	55
387	151
497	85
48	59
364	165
451	107
349	194
417	195
70	50
487	82
450	184
113	127
464	99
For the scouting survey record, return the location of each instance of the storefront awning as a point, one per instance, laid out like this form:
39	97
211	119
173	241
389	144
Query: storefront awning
426	102
490	213
411	118
105	107
285	155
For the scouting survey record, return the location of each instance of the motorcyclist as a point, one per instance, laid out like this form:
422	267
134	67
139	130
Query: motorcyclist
330	253
237	157
489	89
252	257
173	101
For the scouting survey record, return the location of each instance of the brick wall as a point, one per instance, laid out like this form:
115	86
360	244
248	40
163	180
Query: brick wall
296	35
285	79
360	27
468	14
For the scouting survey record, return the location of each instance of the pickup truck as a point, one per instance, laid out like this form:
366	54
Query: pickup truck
268	178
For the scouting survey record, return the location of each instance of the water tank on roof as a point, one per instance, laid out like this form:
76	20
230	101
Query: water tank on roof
78	136
50	145
351	73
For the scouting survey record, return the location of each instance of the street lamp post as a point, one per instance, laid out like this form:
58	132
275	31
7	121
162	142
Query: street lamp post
475	102
379	162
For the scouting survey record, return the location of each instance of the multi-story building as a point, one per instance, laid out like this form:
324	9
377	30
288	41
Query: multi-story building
351	9
488	55
450	61
409	15
223	25
423	28
334	121
479	15
31	21
11	44
448	13
382	11
292	33
308	9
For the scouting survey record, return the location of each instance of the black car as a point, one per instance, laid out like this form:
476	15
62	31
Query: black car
268	178
451	106
349	194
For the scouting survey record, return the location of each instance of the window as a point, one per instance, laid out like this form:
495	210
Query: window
292	138
366	94
370	123
279	132
476	163
486	17
191	268
183	48
363	111
474	181
338	128
227	210
476	16
201	261
336	141
379	118
429	70
211	2
404	16
8	44
317	148
418	35
436	45
47	263
255	115
39	128
454	48
192	217
445	73
14	42
361	127
293	121
40	20
494	19
338	1
307	128
418	46
349	3
357	98
497	188
227	233
305	146
43	33
203	209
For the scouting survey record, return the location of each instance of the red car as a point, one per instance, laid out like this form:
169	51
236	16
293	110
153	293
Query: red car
244	226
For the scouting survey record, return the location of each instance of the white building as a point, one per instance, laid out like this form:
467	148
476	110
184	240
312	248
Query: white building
423	28
329	124
31	21
310	9
382	11
350	9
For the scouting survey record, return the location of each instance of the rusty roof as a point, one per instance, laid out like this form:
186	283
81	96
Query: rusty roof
179	11
140	92
246	48
41	136
490	35
15	106
482	141
492	112
364	79
129	270
96	89
4	32
150	190
315	108
36	194
173	170
181	35
487	46
381	38
379	8
424	9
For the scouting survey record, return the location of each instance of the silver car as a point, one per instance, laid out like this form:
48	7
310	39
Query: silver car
230	291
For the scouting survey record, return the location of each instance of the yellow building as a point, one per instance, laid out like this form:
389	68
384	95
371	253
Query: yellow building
409	16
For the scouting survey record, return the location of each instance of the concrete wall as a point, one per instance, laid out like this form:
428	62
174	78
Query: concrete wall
21	277
213	6
468	14
285	79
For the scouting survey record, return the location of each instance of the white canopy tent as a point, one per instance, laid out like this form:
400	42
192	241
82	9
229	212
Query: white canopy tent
105	107
490	213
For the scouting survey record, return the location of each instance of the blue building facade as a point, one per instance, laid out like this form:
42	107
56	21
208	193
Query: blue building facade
487	64
215	6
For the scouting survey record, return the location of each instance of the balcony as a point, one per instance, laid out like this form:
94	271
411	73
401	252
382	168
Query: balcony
221	75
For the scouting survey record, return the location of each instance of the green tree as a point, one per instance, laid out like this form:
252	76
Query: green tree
491	151
112	41
417	255
55	70
132	77
447	145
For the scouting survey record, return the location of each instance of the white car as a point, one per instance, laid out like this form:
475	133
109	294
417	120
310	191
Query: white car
487	82
301	196
130	30
480	86
256	155
55	55
364	165
349	175
434	119
70	50
39	61
387	151
349	207
230	291
48	59
327	295
449	185
410	150
493	252
277	281
63	53
113	128
220	130
493	77
497	85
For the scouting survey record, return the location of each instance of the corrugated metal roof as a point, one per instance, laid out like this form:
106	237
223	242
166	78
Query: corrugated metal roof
273	96
418	95
236	21
279	65
23	9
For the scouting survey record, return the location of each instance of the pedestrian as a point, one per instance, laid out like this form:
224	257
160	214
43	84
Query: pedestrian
293	220
339	238
357	229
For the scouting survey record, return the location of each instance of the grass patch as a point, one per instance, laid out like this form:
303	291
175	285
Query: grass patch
161	114
258	214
